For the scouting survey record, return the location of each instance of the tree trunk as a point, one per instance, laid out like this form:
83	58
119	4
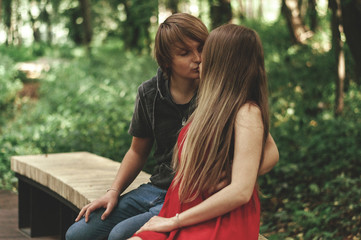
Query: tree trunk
242	13
49	31
337	44
16	22
302	7
88	31
351	15
11	21
131	30
250	9
221	12
36	32
1	8
313	14
298	30
260	9
172	5
47	20
136	26
76	29
7	21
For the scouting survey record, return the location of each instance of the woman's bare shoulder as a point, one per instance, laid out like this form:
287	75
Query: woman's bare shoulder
249	114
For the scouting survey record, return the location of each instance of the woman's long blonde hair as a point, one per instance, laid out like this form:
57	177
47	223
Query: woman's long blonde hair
232	74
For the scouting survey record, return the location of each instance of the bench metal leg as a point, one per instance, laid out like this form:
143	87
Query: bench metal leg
41	211
24	190
45	214
67	217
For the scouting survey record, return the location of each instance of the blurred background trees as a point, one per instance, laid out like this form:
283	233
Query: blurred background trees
134	22
69	71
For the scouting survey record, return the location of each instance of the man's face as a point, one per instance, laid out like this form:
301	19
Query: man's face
186	60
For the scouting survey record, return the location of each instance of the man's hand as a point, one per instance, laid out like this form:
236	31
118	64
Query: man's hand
108	201
222	184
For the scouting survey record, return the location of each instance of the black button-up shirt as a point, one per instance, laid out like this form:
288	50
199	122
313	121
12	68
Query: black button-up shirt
156	116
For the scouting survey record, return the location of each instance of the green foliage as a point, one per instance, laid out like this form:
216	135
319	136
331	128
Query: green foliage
313	192
136	27
84	105
21	53
94	106
10	85
10	82
13	142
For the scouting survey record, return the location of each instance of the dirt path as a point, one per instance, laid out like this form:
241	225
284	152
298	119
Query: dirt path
34	71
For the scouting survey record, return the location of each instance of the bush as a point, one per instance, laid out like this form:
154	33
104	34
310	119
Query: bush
85	104
10	85
12	143
21	53
313	193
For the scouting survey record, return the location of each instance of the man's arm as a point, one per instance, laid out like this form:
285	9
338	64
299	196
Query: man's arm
129	169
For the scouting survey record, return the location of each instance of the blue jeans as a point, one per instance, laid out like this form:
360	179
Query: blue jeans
133	210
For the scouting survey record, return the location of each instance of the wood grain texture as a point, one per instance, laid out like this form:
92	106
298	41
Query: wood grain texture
79	177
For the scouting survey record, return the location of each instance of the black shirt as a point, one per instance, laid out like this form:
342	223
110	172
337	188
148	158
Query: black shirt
156	116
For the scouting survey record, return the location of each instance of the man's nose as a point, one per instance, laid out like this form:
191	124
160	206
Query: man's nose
197	56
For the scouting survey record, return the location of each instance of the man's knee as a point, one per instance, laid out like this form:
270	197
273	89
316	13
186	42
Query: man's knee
71	234
117	234
84	231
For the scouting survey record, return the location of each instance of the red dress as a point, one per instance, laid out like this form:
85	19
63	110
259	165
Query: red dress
239	224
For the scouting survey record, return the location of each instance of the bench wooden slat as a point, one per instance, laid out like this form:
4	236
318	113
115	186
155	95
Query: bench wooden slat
79	177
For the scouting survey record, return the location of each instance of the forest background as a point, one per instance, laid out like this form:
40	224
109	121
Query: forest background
69	71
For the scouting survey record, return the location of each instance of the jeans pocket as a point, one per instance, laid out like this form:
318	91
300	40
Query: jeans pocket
159	195
158	200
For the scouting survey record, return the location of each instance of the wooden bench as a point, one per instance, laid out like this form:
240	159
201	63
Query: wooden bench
53	188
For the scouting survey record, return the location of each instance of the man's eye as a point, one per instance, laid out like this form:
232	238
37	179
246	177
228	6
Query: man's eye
185	53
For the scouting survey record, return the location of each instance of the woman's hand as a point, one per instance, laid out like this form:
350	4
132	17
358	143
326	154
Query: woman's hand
160	224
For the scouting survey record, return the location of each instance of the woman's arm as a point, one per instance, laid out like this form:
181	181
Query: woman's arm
271	156
247	154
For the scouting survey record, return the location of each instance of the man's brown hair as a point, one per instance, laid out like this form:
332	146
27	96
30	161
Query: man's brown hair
175	30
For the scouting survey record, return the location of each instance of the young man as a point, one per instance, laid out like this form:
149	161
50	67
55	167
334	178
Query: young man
163	105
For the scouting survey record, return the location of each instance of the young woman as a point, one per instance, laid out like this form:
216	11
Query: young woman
227	132
163	105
